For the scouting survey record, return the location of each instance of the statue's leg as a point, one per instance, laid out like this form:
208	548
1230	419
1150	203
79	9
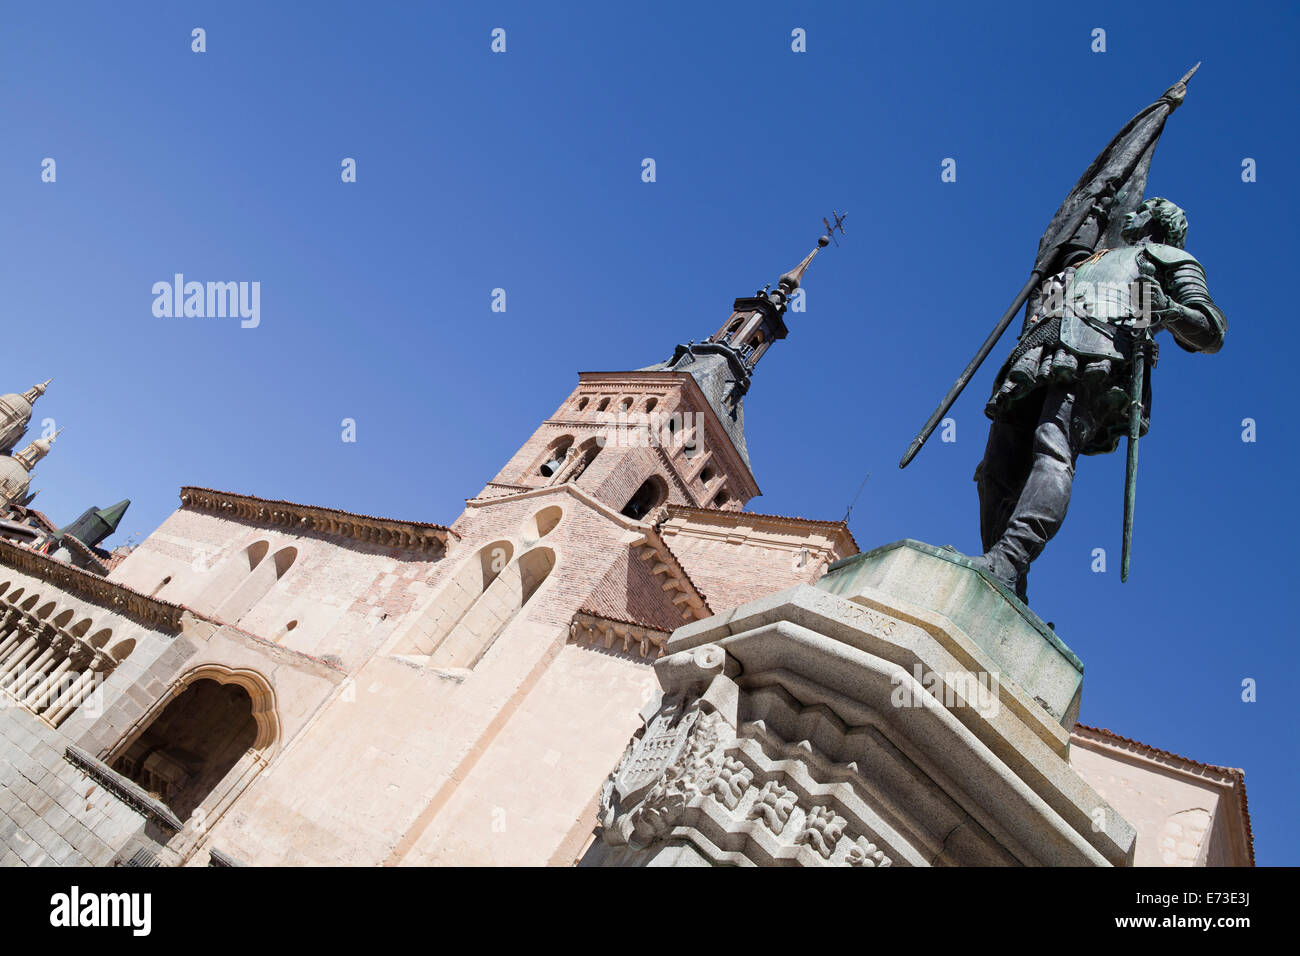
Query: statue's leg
1001	476
1045	498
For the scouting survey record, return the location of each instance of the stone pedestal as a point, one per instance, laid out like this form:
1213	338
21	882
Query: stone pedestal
906	711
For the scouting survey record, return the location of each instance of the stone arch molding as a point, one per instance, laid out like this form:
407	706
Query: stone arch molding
259	689
265	713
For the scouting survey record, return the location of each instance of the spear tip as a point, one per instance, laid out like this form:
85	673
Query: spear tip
1190	73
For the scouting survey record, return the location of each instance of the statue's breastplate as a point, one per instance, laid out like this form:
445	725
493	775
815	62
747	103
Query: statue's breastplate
1102	295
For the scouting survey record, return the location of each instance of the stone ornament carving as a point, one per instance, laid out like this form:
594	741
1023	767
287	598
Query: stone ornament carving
673	760
773	806
691	776
865	853
672	763
733	779
822	830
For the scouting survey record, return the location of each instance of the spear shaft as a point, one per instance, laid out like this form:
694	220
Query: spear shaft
1134	435
969	372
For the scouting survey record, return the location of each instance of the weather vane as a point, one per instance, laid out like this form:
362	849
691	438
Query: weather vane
839	224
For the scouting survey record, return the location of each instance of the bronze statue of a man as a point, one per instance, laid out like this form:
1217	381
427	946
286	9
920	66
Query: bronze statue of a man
1065	389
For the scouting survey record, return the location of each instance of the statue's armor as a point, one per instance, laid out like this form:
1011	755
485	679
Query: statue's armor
1078	336
1099	297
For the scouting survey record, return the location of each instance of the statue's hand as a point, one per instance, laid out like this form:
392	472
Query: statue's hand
1157	303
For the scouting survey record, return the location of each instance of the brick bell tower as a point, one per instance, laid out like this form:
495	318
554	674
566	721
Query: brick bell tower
669	433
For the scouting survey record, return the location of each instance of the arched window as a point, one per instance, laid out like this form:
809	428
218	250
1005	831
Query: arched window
652	493
586	454
473	578
256	585
553	458
538	526
582	403
479	629
721	498
228	575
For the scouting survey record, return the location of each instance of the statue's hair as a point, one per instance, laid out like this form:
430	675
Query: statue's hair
1169	223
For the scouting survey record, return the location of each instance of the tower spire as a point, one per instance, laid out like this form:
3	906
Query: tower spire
723	364
37	450
756	322
790	281
36	391
16	470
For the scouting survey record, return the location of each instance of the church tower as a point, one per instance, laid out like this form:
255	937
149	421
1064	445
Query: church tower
669	433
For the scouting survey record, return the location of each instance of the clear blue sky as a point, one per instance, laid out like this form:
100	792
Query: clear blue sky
522	171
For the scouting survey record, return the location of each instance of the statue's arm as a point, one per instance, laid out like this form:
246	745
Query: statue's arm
1195	321
1199	326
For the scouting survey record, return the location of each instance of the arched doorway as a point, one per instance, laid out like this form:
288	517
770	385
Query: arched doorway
202	742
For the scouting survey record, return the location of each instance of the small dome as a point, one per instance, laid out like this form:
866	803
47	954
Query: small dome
14	479
15	413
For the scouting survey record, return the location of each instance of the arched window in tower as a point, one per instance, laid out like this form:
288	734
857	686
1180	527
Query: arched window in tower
602	404
582	403
578	463
650	404
721	498
256	585
555	456
652	493
494	610
539	525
